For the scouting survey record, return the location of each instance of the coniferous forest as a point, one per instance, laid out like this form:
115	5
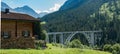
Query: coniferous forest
89	15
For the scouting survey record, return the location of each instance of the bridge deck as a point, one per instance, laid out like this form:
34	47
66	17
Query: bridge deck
71	32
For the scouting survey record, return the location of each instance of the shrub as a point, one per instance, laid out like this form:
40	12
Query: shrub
115	49
114	52
75	44
86	47
43	34
54	44
40	44
17	43
107	47
57	45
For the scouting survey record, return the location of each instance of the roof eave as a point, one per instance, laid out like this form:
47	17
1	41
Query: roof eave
21	19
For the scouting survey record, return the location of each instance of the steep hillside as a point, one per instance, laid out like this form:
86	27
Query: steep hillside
92	15
67	20
70	4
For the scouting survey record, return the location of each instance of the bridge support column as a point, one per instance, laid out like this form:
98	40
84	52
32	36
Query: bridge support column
54	38
61	39
92	39
47	38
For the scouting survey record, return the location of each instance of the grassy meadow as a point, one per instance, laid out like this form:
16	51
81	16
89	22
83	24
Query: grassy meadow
52	50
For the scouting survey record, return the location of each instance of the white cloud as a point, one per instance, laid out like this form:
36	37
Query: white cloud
52	9
46	11
38	11
55	8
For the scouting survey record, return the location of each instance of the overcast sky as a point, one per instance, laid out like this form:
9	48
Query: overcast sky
37	5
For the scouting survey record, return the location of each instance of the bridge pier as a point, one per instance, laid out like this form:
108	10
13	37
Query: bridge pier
54	38
47	38
61	39
92	39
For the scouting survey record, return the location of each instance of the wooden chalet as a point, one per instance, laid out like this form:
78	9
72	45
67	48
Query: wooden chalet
17	30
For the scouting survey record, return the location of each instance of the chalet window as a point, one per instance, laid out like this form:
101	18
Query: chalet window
26	33
6	34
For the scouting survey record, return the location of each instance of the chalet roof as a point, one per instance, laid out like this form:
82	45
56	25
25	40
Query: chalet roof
17	16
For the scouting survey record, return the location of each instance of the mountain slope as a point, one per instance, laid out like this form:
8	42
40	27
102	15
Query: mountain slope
43	14
26	10
92	15
71	17
70	4
4	5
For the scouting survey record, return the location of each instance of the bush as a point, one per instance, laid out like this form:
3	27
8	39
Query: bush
107	47
57	45
115	49
40	44
114	52
75	44
43	34
17	43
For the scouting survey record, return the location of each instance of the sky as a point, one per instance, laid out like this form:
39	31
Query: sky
37	5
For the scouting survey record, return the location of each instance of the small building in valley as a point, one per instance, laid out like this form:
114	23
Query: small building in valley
17	30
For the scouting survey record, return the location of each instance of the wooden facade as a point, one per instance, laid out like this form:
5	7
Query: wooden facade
17	30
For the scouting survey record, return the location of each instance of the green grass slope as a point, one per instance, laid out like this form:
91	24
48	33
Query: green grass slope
52	51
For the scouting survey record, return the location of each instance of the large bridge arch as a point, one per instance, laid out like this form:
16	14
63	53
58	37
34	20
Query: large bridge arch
90	35
81	37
